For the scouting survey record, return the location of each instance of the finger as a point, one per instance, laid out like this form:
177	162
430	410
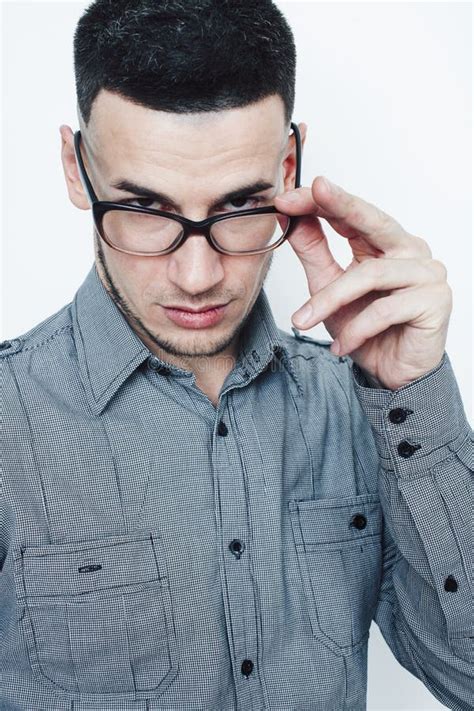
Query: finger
311	246
297	202
370	275
353	217
405	307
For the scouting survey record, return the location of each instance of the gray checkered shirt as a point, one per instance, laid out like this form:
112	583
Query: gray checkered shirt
158	552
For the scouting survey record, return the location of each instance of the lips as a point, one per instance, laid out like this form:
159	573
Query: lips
196	319
195	311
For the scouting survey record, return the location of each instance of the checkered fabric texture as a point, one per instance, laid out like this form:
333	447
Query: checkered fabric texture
158	552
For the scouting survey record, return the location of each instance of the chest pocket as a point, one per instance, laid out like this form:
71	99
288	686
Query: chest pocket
338	545
97	615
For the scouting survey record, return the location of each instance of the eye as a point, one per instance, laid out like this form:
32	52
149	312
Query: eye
240	203
142	202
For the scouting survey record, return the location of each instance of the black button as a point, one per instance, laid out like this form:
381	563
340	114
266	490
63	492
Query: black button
399	414
237	547
222	429
359	521
4	345
405	449
247	666
450	584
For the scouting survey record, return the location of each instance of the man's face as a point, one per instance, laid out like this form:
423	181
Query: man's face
194	160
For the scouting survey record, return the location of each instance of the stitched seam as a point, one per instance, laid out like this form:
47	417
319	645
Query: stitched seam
42	343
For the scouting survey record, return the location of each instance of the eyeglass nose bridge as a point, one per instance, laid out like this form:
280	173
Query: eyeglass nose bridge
191	228
203	227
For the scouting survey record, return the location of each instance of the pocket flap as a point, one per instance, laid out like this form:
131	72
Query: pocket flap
77	568
341	520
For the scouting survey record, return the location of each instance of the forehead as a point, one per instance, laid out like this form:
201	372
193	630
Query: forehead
127	137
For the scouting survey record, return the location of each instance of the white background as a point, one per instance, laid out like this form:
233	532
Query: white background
385	88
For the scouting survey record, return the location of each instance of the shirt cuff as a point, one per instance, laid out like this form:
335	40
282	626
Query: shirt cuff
417	425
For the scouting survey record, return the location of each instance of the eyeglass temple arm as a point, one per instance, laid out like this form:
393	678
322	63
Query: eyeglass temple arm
86	183
296	131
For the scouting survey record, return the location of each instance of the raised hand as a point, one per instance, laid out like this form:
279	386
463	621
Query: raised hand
389	309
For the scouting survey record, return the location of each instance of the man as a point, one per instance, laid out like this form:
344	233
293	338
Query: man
199	509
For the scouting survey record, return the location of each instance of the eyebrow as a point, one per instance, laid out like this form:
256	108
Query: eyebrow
141	191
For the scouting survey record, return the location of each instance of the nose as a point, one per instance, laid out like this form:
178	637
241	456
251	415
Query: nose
195	266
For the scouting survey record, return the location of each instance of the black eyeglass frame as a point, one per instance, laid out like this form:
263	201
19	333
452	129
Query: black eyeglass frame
100	207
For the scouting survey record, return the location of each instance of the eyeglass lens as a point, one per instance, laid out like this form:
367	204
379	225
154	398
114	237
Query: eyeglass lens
146	233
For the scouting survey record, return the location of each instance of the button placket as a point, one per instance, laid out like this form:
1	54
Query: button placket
239	589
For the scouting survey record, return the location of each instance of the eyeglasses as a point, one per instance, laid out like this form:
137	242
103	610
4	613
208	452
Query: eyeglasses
144	231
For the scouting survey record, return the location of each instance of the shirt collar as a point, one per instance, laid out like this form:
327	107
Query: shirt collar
109	350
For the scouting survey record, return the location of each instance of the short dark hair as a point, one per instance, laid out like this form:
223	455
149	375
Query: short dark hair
184	56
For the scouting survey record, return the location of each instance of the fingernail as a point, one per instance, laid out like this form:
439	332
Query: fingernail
290	197
303	315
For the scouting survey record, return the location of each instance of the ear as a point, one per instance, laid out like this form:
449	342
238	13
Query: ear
289	162
71	170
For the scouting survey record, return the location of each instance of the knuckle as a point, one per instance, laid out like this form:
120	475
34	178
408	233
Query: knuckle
448	294
423	246
439	269
380	309
356	216
373	268
385	220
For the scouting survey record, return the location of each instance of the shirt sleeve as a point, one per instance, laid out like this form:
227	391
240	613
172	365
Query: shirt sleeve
425	607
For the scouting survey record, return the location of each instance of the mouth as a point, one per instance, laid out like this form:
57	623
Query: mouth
192	318
195	311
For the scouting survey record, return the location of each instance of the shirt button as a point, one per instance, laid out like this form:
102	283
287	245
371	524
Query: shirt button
399	414
222	428
247	666
359	521
450	584
154	364
405	449
236	547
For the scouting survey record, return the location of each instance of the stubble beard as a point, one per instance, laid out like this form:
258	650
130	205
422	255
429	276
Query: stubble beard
157	339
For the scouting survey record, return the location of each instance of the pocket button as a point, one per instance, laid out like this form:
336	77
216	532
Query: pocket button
359	521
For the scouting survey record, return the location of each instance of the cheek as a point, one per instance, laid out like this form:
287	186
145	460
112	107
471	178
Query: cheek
248	269
138	277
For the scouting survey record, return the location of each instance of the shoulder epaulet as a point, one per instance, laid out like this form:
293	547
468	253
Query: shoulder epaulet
302	337
9	347
318	341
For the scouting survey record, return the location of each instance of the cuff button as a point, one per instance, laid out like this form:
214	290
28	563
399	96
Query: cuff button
398	415
405	449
